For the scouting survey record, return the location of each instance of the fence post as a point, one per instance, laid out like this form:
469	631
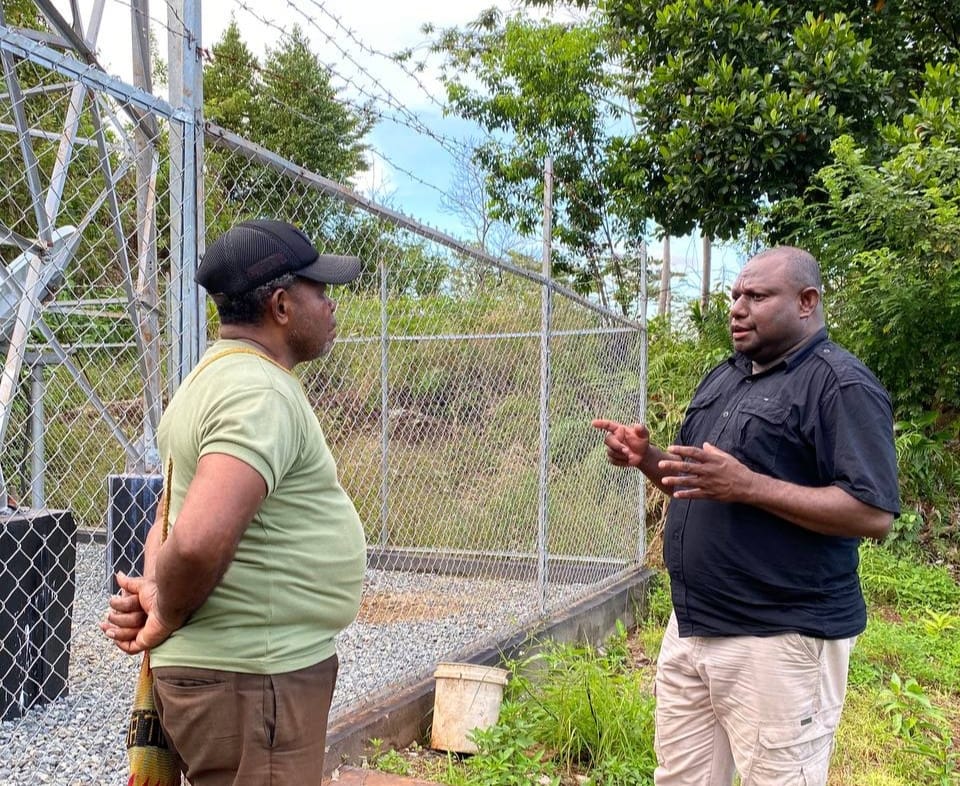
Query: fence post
664	302
546	317
38	467
641	413
705	241
187	314
384	408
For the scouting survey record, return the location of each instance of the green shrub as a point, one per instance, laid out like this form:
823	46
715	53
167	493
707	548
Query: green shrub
890	579
589	709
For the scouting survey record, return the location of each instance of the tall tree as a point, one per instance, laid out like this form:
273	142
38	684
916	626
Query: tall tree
300	117
288	105
230	83
739	100
543	88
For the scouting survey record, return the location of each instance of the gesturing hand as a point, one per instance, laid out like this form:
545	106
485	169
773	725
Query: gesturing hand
706	473
626	445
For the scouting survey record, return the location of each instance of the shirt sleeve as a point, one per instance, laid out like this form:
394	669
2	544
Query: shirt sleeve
857	449
257	426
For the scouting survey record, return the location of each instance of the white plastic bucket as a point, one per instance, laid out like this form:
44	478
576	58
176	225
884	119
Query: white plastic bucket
467	697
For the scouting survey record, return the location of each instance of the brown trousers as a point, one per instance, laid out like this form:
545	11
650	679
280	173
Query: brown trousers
233	729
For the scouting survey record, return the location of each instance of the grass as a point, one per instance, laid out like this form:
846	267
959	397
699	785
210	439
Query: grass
580	715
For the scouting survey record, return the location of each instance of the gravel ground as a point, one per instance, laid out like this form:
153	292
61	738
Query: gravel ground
407	623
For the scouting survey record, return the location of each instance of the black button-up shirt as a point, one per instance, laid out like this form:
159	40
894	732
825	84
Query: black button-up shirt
818	418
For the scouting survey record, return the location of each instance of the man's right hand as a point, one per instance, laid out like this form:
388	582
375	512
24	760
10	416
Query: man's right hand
132	622
626	445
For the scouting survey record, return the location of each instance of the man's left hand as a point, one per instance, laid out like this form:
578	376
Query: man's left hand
706	473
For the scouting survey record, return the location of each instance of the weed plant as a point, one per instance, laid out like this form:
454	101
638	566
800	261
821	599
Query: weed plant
387	759
569	709
867	752
509	754
923	727
591	710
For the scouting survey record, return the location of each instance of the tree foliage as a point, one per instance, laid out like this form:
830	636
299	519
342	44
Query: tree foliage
888	237
230	82
738	101
287	104
541	88
688	113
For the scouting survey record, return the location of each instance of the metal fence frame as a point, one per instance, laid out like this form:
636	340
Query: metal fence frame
183	335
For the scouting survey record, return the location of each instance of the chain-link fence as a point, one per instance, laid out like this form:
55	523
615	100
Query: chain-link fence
457	403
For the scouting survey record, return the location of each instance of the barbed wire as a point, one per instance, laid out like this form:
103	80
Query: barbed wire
295	112
404	116
401	114
364	47
452	146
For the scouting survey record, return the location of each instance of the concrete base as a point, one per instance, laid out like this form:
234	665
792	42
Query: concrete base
407	714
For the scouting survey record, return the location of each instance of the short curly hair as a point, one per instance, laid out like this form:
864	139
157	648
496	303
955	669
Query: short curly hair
248	308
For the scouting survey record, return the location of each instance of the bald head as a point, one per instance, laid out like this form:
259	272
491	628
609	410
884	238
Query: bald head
800	265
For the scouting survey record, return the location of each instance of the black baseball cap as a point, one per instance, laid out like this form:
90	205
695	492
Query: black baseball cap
254	252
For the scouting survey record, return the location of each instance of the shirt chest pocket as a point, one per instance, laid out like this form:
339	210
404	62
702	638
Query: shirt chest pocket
700	416
761	424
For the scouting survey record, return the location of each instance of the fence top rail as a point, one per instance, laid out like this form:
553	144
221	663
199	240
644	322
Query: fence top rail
530	334
222	137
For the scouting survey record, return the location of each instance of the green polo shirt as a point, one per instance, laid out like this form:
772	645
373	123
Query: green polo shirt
296	577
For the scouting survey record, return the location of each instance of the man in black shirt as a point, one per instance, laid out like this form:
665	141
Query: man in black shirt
785	459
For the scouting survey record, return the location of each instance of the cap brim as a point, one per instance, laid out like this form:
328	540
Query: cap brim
332	269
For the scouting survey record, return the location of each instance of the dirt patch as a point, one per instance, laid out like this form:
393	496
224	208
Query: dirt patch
888	614
377	608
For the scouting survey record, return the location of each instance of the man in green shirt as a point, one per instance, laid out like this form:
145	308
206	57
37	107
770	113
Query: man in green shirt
265	556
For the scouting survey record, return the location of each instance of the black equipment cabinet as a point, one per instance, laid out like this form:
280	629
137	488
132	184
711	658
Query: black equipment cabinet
38	556
132	508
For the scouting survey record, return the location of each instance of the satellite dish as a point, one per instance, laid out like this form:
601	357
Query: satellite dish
13	277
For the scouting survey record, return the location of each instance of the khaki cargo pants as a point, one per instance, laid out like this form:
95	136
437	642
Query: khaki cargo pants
766	707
